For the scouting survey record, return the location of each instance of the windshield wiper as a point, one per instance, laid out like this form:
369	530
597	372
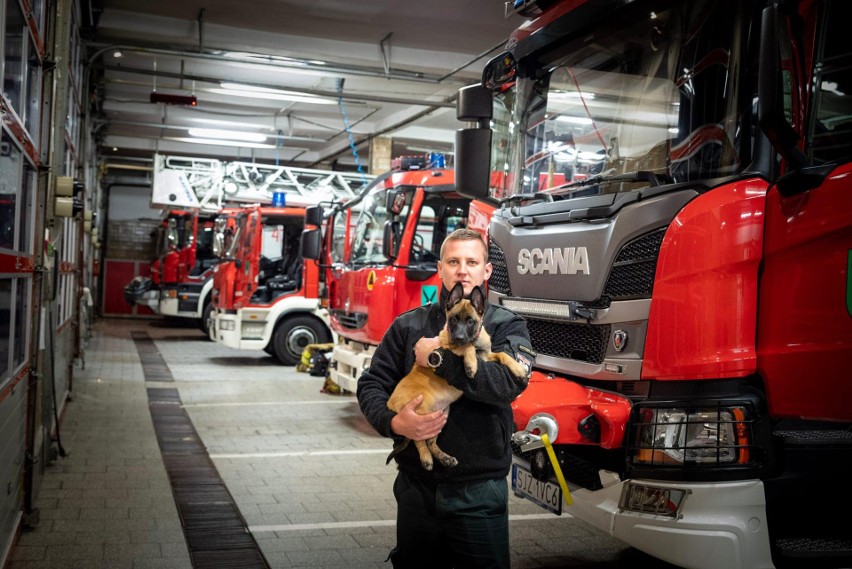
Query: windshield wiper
563	191
652	178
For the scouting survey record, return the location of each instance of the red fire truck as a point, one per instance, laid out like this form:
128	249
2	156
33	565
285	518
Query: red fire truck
689	293
180	278
195	190
380	254
265	296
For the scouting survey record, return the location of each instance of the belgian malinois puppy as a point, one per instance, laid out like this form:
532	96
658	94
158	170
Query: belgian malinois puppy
464	336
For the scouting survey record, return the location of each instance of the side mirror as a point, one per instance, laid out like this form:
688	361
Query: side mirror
473	144
499	71
474	103
310	245
313	215
395	201
390	239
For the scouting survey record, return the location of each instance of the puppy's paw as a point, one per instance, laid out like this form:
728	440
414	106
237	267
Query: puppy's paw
449	461
470	371
518	371
427	465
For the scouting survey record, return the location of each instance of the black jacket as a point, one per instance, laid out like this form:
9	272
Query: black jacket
479	426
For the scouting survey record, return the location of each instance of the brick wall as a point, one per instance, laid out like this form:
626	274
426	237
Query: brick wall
132	239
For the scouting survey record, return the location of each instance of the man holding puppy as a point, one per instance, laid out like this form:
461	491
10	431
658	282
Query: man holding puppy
459	516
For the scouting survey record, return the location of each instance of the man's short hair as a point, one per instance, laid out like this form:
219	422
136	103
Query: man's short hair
465	234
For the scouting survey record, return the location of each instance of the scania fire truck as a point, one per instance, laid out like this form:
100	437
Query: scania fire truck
265	295
676	227
380	254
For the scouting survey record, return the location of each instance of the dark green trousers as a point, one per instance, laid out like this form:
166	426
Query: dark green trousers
458	525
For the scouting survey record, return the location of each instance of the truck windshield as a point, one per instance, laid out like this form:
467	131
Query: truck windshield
656	91
368	234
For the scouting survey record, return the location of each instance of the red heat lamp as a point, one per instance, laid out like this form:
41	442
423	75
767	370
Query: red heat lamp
185	100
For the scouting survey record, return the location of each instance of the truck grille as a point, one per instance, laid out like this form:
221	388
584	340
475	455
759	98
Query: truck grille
582	342
632	274
499	280
350	320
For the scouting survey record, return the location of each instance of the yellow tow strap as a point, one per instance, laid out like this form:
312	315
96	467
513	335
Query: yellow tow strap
556	469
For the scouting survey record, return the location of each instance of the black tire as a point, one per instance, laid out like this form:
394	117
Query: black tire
294	334
205	317
269	349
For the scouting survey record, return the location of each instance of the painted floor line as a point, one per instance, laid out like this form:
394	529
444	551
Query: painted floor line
299	453
259	403
378	523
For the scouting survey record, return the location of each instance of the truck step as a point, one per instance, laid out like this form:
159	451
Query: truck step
814	552
816	437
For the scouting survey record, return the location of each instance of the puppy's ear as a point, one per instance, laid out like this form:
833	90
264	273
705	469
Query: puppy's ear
477	299
455	295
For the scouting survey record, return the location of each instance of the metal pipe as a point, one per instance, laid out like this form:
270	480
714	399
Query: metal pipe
315	92
268	60
114	166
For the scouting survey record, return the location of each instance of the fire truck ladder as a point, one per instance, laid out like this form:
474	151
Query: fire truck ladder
209	185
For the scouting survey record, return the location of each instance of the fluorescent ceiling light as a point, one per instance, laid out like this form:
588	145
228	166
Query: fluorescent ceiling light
570	95
263	58
574	120
249	91
222	142
227	134
223	123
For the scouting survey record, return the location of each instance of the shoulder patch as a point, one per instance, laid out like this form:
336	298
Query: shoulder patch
528	350
524	361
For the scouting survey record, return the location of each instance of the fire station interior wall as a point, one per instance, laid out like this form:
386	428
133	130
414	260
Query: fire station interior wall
131	202
130	246
117	273
12	437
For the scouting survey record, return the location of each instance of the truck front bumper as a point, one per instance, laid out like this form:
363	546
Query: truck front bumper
349	360
718	525
230	330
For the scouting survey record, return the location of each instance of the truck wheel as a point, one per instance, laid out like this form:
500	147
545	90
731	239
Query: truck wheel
294	334
205	315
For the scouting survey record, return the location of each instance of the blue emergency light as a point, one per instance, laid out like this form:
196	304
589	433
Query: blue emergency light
437	160
279	199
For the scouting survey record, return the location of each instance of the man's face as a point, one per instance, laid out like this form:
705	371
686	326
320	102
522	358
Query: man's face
464	262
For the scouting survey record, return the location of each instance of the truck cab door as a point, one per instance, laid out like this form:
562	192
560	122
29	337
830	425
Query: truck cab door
805	308
247	257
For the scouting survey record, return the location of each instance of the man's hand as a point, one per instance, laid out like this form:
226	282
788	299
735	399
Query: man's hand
409	424
423	348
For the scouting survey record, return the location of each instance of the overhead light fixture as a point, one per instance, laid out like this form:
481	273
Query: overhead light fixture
556	95
574	120
264	58
227	134
238	90
221	142
169	99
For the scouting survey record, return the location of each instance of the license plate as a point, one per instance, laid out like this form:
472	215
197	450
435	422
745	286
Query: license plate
548	495
656	500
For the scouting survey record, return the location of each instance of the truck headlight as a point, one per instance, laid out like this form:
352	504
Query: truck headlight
226	325
715	436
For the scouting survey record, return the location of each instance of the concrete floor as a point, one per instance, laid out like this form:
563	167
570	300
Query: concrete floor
305	469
